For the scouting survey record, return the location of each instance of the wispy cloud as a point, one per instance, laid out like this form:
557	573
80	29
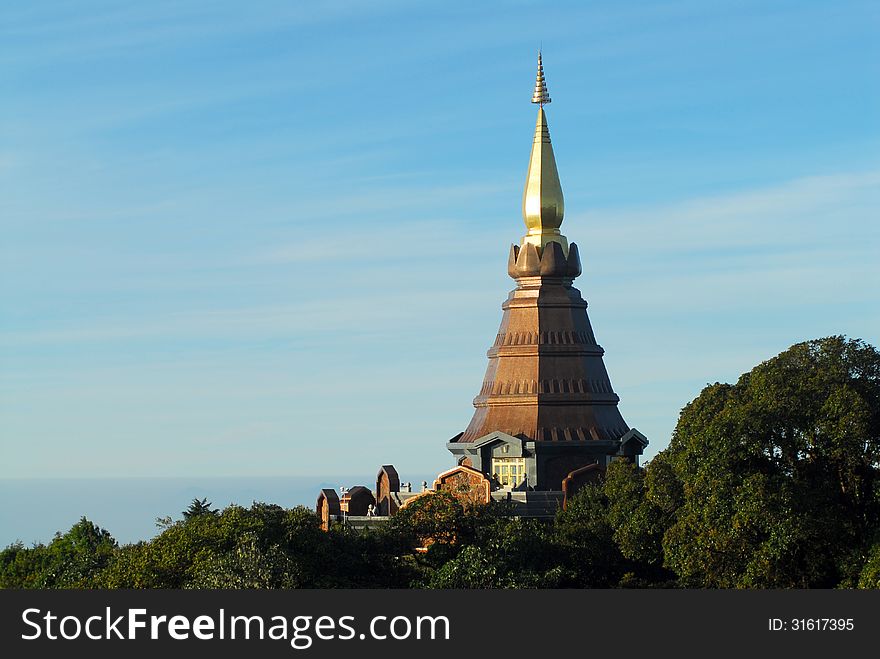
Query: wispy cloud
804	241
798	212
810	238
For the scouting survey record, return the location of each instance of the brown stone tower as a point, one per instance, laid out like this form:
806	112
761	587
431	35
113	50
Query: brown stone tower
546	407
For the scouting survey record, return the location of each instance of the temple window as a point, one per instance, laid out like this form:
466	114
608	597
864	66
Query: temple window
510	472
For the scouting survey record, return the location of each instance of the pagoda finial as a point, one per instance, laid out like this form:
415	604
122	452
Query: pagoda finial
541	96
543	206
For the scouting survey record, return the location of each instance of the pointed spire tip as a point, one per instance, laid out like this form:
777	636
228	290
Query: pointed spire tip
540	95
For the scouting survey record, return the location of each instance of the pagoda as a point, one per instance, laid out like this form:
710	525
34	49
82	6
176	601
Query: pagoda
546	410
546	421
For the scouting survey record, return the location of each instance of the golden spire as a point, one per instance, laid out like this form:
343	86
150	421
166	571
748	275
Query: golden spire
543	205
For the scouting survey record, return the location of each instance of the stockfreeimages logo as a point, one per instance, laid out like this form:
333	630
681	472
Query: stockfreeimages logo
300	631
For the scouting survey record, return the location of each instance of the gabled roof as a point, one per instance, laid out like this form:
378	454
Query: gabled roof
357	490
496	436
634	437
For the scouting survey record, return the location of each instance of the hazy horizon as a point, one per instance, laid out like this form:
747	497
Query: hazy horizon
34	509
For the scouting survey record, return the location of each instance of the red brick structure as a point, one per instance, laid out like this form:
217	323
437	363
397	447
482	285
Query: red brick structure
327	507
387	483
465	483
579	478
357	501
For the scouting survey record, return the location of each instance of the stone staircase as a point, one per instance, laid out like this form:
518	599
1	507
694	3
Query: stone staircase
531	503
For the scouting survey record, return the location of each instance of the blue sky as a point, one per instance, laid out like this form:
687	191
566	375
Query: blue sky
270	238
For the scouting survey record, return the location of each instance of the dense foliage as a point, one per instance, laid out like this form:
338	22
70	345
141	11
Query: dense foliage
773	482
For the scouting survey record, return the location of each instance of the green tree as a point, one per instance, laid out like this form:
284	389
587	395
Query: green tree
191	550
23	567
68	561
584	534
775	478
641	506
437	518
197	508
249	564
507	553
870	573
435	527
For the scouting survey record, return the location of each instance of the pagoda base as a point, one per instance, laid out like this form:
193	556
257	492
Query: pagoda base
523	465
